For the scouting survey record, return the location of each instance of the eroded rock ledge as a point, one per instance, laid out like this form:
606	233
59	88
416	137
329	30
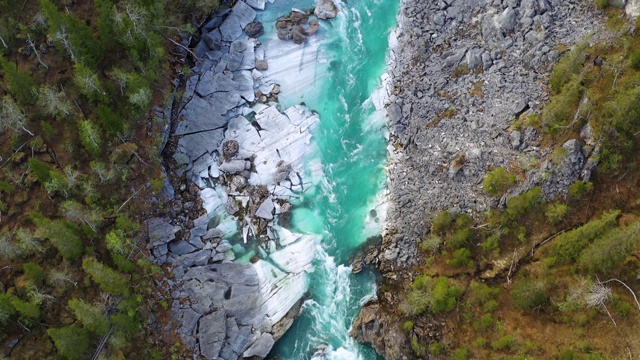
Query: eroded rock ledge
461	72
240	274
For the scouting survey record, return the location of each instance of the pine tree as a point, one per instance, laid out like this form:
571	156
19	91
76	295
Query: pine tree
63	235
6	308
20	83
90	137
90	316
71	342
108	279
75	35
87	81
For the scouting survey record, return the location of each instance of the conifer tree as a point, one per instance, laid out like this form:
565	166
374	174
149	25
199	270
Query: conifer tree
20	83
71	342
108	279
63	235
90	316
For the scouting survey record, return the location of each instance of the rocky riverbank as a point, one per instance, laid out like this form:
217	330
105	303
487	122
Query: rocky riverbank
237	161
462	72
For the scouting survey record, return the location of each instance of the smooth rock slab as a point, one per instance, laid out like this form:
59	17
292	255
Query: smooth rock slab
256	4
196	145
265	210
261	347
200	115
212	332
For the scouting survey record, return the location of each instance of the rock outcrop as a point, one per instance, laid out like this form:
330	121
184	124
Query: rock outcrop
325	9
461	73
240	275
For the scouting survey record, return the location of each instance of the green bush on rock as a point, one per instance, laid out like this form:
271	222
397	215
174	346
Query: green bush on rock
498	181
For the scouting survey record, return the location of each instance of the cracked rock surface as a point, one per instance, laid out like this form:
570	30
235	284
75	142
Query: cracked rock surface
240	275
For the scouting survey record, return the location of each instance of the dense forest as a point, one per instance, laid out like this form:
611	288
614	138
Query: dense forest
80	171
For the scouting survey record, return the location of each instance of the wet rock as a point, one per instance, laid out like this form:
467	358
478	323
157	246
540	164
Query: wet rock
298	35
284	34
325	9
262	65
313	28
265	210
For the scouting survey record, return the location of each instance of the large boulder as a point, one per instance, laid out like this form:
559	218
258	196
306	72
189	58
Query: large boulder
325	9
506	20
298	35
254	29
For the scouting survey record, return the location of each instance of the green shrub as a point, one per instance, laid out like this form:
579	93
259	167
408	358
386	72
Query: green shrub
72	343
435	348
555	213
108	279
602	4
624	112
518	205
484	323
559	112
417	347
460	354
621	307
492	243
90	316
503	343
579	189
569	65
461	258
41	170
431	243
610	250
441	223
498	181
6	308
482	293
634	59
407	326
122	263
490	306
568	246
34	273
459	239
528	294
25	309
434	295
444	297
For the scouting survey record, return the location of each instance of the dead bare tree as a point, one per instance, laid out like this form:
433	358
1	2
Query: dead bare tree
33	47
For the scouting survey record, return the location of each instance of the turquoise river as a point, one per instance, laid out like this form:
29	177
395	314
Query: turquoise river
352	149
